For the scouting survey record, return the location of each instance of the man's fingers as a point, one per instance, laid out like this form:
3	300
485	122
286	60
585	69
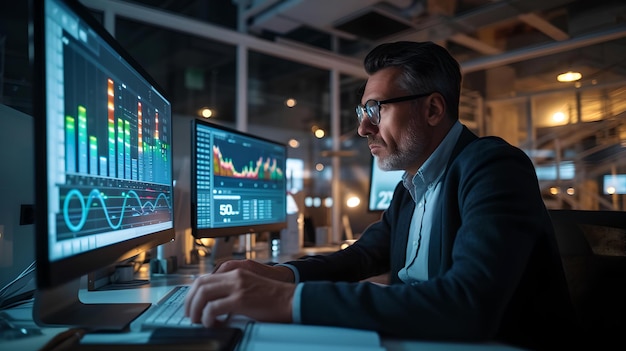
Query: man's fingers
241	291
207	291
216	312
192	292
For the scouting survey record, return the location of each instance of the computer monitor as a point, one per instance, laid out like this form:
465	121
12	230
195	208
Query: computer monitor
614	184
103	163
382	185
238	182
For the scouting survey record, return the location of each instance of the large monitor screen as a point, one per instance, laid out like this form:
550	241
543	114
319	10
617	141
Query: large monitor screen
103	152
382	185
614	184
238	182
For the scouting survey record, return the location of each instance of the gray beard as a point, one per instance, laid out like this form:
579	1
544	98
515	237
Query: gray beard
404	156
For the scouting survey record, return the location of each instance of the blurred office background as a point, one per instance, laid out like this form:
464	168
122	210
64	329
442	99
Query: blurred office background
290	71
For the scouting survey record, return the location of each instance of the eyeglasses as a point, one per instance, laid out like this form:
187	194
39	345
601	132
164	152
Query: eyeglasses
372	107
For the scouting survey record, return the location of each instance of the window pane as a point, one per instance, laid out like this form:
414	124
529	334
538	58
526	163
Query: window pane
195	72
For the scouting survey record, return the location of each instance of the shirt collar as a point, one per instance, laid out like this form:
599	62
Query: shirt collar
430	172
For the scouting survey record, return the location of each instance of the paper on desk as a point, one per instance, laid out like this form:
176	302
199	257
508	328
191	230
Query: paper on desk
121	338
278	337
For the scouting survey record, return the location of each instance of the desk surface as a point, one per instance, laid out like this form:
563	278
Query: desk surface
31	337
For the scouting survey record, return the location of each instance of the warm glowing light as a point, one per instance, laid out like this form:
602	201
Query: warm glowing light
554	190
571	191
207	242
353	201
347	243
558	117
319	167
206	112
610	190
290	102
569	76
319	133
293	143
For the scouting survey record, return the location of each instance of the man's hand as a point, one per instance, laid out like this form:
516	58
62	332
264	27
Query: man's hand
249	288
279	273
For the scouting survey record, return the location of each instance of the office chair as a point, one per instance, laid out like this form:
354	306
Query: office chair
592	245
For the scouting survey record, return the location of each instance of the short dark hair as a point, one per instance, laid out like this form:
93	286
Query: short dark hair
426	66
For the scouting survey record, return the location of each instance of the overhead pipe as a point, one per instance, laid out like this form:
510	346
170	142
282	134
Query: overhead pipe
527	53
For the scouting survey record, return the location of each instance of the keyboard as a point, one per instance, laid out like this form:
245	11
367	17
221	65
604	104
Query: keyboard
170	311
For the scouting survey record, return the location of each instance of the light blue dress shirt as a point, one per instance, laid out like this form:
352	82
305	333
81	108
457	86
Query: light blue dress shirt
424	188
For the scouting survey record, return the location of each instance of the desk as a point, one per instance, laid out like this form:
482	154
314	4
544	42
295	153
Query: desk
158	287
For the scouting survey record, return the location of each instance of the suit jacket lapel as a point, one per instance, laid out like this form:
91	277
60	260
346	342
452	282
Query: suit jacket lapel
436	235
404	223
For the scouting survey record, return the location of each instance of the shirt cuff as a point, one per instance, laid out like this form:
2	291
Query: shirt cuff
296	274
295	306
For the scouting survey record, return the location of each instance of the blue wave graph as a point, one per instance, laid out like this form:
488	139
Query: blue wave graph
95	195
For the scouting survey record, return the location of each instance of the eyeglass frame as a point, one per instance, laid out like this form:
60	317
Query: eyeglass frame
362	108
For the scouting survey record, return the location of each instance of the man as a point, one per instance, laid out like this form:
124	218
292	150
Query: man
467	241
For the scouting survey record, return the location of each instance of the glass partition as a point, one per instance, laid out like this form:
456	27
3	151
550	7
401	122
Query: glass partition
577	139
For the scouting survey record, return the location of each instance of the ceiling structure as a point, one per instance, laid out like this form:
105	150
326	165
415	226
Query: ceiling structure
533	40
537	39
481	34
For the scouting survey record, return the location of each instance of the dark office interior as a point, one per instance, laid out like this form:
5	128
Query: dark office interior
291	71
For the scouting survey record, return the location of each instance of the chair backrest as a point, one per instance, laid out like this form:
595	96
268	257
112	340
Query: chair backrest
593	250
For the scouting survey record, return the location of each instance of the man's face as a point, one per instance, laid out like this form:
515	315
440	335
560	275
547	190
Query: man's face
401	140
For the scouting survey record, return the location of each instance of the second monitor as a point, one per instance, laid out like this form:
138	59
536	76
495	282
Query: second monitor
238	182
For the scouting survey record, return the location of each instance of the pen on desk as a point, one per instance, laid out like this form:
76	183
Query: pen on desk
64	340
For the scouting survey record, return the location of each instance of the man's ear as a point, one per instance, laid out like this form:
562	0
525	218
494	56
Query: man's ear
436	105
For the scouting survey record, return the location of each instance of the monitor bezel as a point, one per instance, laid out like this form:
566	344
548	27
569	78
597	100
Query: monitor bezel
373	180
52	273
219	232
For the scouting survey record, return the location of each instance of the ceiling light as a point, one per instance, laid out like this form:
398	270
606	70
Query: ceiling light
290	102
569	76
205	112
319	133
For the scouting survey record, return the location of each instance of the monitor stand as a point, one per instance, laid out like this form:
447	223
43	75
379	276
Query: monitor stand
222	250
61	306
249	240
114	278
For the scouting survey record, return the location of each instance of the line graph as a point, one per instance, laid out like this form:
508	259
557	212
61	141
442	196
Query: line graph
131	205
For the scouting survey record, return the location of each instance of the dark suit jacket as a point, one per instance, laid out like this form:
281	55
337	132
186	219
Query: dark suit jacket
494	268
